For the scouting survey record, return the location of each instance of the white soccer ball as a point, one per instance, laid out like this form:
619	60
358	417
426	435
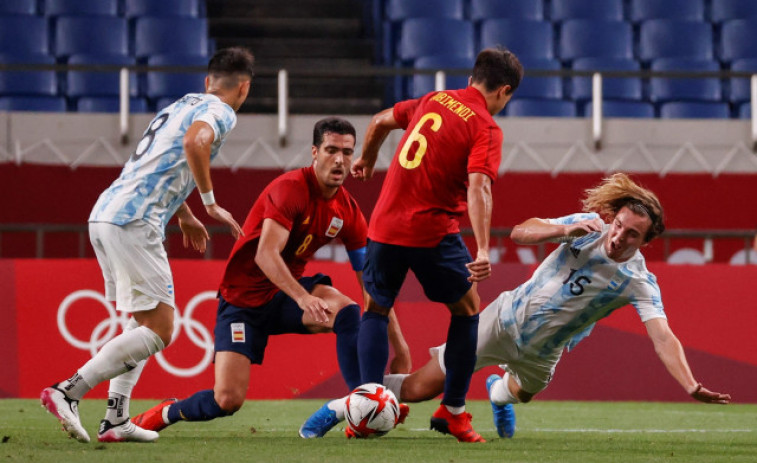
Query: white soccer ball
372	410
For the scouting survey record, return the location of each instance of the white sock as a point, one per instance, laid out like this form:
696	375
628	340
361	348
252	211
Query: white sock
338	405
394	383
455	410
500	392
119	392
121	354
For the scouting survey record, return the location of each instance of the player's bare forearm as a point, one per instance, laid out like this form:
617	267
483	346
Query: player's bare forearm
378	129
480	214
197	145
537	231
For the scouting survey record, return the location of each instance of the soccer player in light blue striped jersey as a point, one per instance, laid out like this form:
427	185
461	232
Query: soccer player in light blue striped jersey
596	269
127	229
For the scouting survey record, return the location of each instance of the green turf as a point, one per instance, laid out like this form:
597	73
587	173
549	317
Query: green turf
266	431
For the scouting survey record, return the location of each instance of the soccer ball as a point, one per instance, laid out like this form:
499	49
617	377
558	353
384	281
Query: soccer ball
372	410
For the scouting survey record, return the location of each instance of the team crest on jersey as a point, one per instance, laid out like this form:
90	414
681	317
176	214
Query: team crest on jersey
237	332
575	251
334	227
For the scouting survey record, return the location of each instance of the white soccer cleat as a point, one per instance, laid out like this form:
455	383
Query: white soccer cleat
124	432
66	410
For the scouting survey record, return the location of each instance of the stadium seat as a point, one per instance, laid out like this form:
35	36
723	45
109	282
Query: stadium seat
688	256
80	7
91	35
738	39
630	109
435	36
180	36
668	38
740	89
540	87
23	35
586	9
584	38
532	107
163	102
400	10
684	10
98	83
28	82
745	110
694	110
109	104
724	10
515	9
424	83
622	88
693	89
740	257
8	7
187	8
526	38
175	84
33	103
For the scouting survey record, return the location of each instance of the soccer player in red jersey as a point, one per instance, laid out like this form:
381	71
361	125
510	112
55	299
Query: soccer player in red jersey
263	293
448	156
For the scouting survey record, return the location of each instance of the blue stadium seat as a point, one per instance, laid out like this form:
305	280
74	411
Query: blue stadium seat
188	8
692	89
91	35
28	82
738	39
533	107
23	35
80	7
109	104
745	110
724	10
629	109
175	84
694	110
684	10
181	36
517	9
18	7
55	104
435	36
98	83
586	9
583	38
668	38
621	88
400	10
540	87
740	89
526	38
424	83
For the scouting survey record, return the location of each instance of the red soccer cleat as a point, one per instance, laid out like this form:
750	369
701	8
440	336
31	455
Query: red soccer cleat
153	419
404	411
457	425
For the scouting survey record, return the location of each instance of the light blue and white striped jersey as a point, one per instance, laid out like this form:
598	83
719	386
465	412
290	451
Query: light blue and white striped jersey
573	288
156	180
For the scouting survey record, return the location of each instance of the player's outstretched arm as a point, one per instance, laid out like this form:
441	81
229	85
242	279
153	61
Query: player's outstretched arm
480	214
377	131
537	231
192	230
197	147
670	351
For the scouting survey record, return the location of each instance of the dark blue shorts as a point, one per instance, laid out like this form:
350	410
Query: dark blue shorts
245	330
440	270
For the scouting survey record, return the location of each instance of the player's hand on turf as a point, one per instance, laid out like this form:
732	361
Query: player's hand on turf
584	227
316	307
705	395
224	216
480	269
193	232
360	170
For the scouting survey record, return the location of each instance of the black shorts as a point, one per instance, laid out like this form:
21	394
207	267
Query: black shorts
245	330
440	270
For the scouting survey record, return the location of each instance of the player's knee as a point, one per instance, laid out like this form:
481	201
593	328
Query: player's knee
228	401
413	391
347	319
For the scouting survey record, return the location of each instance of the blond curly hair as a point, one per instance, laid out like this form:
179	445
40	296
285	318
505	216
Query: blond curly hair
618	191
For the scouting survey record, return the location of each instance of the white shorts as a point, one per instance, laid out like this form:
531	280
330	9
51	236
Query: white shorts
496	346
134	265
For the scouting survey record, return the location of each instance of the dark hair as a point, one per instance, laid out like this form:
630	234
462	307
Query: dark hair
496	67
231	62
332	125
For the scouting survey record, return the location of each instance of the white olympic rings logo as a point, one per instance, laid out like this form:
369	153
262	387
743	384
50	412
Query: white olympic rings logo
107	329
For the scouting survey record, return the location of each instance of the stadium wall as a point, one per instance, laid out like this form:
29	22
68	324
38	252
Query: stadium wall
53	318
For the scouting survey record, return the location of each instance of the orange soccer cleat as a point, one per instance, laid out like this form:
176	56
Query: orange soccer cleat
457	425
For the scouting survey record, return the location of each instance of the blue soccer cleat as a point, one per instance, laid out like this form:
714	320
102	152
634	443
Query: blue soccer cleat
504	415
319	423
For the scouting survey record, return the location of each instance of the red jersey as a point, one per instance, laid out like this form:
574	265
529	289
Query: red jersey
295	201
447	136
